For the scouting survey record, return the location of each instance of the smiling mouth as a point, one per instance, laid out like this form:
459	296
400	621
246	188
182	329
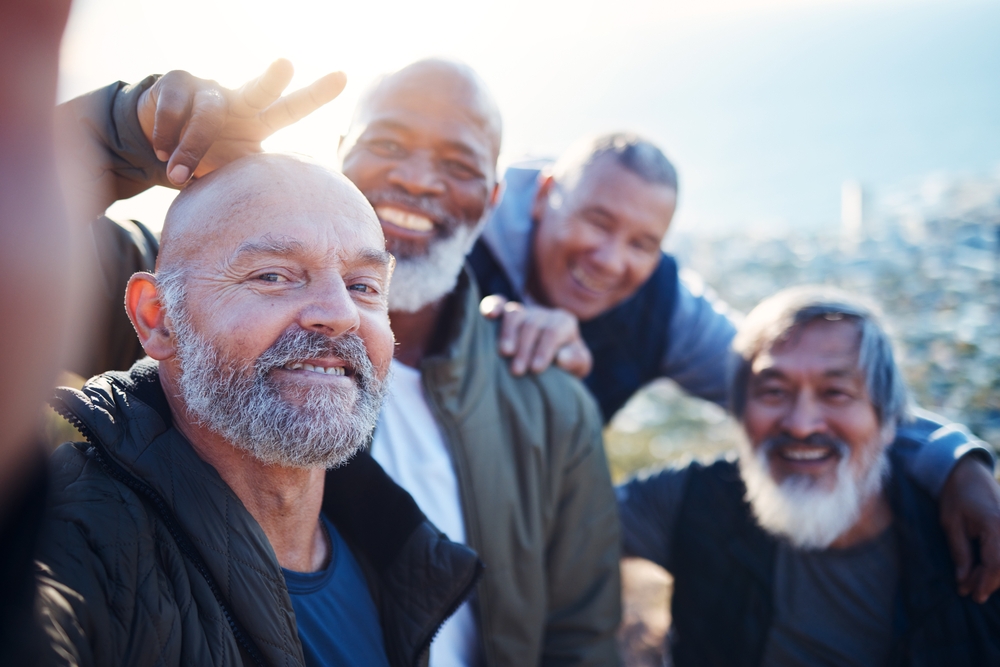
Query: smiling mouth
805	453
588	283
405	219
322	370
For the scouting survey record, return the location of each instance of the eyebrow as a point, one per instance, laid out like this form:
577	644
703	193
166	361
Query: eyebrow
374	256
386	123
841	372
773	373
600	210
281	247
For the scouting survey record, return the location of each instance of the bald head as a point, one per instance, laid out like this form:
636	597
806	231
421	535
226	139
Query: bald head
268	313
446	82
222	207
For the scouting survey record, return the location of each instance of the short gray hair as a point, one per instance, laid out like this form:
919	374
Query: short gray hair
632	152
779	317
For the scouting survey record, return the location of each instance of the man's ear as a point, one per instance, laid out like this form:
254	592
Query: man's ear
142	302
545	184
887	433
497	193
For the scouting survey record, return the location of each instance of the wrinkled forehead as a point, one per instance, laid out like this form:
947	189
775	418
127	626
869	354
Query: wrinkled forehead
819	346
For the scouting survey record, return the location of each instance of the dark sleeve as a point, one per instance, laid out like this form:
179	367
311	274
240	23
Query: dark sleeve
648	506
583	550
100	133
107	341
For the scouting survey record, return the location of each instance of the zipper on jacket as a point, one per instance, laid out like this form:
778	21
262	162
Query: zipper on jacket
140	488
449	436
451	609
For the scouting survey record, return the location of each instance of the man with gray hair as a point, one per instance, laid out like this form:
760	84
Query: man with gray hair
812	546
208	517
572	260
511	466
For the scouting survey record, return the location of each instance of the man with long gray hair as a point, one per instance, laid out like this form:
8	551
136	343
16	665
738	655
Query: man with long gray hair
812	546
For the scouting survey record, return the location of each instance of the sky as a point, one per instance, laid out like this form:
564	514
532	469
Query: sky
765	106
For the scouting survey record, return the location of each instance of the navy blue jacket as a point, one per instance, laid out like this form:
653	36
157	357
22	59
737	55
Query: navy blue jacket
626	341
723	567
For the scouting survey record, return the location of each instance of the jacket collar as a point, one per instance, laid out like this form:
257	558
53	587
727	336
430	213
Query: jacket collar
125	416
128	414
452	369
509	232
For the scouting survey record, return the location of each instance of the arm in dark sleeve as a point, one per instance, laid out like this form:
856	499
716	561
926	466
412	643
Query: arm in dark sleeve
648	506
100	135
931	447
583	551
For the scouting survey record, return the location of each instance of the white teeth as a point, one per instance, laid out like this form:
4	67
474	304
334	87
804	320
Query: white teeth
405	219
805	454
581	277
333	370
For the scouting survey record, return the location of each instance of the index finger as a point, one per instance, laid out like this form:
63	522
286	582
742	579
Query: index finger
261	92
296	106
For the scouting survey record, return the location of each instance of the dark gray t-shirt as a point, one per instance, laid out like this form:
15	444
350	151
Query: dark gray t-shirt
832	607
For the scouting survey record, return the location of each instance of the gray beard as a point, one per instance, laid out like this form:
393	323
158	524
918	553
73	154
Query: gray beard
421	280
245	407
807	516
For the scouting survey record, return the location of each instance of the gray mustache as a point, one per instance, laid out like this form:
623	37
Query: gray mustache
296	344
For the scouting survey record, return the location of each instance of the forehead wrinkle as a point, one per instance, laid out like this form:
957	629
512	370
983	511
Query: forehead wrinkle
215	204
269	245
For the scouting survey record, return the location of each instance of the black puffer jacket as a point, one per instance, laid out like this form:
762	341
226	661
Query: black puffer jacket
157	562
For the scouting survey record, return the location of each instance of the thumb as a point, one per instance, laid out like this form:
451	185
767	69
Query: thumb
492	306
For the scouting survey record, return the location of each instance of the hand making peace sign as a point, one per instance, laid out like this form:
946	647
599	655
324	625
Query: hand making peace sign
196	125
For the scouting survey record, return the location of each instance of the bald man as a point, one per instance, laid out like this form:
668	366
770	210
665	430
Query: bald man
512	466
197	522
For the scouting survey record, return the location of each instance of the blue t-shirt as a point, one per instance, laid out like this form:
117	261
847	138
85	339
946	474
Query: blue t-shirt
336	617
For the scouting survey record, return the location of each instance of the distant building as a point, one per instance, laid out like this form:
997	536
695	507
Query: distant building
852	212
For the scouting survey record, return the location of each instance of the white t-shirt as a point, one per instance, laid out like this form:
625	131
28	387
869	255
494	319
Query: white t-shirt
409	446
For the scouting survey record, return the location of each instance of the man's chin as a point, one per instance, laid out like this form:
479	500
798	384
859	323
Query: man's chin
810	511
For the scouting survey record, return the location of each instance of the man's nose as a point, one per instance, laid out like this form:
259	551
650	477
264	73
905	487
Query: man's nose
804	417
330	310
610	258
417	174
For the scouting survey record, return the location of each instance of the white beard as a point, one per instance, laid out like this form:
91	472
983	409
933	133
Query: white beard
418	281
807	516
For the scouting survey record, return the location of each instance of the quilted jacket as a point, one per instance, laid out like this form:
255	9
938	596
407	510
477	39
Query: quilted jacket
157	562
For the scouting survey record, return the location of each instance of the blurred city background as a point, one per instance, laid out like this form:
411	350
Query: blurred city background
855	142
847	141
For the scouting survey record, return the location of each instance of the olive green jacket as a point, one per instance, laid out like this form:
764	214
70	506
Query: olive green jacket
536	496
